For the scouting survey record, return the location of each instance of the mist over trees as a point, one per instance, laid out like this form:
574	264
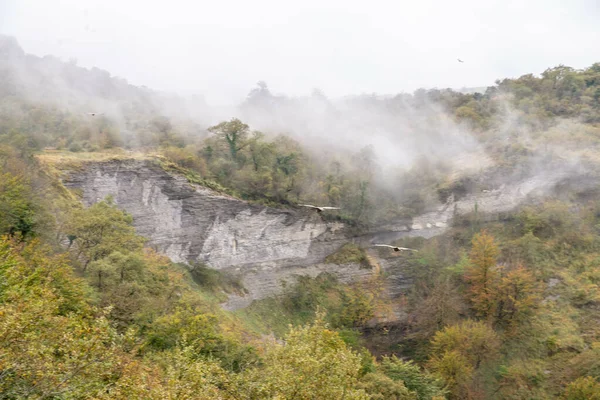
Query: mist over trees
499	308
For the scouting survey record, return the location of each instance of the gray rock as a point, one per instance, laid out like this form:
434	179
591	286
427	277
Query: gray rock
189	223
263	246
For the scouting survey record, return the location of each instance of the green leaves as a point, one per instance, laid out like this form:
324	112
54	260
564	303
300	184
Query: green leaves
459	351
422	383
234	133
101	229
52	343
17	207
312	363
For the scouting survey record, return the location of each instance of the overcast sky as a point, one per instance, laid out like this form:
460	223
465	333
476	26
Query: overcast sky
222	48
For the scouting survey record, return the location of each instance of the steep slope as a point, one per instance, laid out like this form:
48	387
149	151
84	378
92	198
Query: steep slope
266	246
191	224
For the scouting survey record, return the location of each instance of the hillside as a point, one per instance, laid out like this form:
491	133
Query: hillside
124	234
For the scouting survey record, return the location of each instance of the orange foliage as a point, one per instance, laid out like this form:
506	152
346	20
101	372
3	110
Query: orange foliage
482	274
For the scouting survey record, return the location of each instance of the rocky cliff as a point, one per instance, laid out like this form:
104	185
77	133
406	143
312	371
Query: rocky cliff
261	245
190	223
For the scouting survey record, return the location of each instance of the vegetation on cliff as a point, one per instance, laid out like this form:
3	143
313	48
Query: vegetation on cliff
500	309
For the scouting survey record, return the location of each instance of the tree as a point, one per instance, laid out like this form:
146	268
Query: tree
53	344
358	307
188	326
380	387
422	383
455	370
17	207
313	362
100	230
442	306
173	374
234	133
473	339
459	351
518	296
584	388
118	266
481	274
261	152
259	98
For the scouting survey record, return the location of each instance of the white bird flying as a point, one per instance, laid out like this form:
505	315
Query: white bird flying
396	248
319	209
459	60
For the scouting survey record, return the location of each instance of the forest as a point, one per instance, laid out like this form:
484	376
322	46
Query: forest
500	308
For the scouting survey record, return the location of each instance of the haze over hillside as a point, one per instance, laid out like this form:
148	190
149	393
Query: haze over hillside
340	47
399	134
156	244
456	134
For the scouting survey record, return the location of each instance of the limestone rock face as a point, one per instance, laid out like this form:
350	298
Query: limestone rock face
189	223
264	246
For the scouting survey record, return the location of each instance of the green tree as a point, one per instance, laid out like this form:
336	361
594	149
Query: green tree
234	133
192	328
18	210
358	307
381	387
313	363
584	388
422	383
99	230
459	351
52	343
261	152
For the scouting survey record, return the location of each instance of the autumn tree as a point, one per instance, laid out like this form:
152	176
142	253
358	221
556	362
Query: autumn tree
173	374
584	388
440	307
314	362
518	295
198	330
459	351
482	274
358	307
381	387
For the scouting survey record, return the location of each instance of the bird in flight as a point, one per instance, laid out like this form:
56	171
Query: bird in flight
93	114
396	248
459	60
319	209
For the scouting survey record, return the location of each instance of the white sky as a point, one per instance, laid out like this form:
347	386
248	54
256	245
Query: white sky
221	48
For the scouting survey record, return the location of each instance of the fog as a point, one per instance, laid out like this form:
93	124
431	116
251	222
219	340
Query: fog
398	130
336	73
343	47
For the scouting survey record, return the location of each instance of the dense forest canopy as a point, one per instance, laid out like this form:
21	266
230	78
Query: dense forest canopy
499	308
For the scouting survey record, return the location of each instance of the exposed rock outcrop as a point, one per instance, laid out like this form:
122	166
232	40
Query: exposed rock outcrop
265	246
190	223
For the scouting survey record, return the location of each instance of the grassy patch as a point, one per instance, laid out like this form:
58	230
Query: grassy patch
349	254
193	177
296	306
68	158
215	281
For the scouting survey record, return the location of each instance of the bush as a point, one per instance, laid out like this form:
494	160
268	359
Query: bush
349	254
214	280
585	388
